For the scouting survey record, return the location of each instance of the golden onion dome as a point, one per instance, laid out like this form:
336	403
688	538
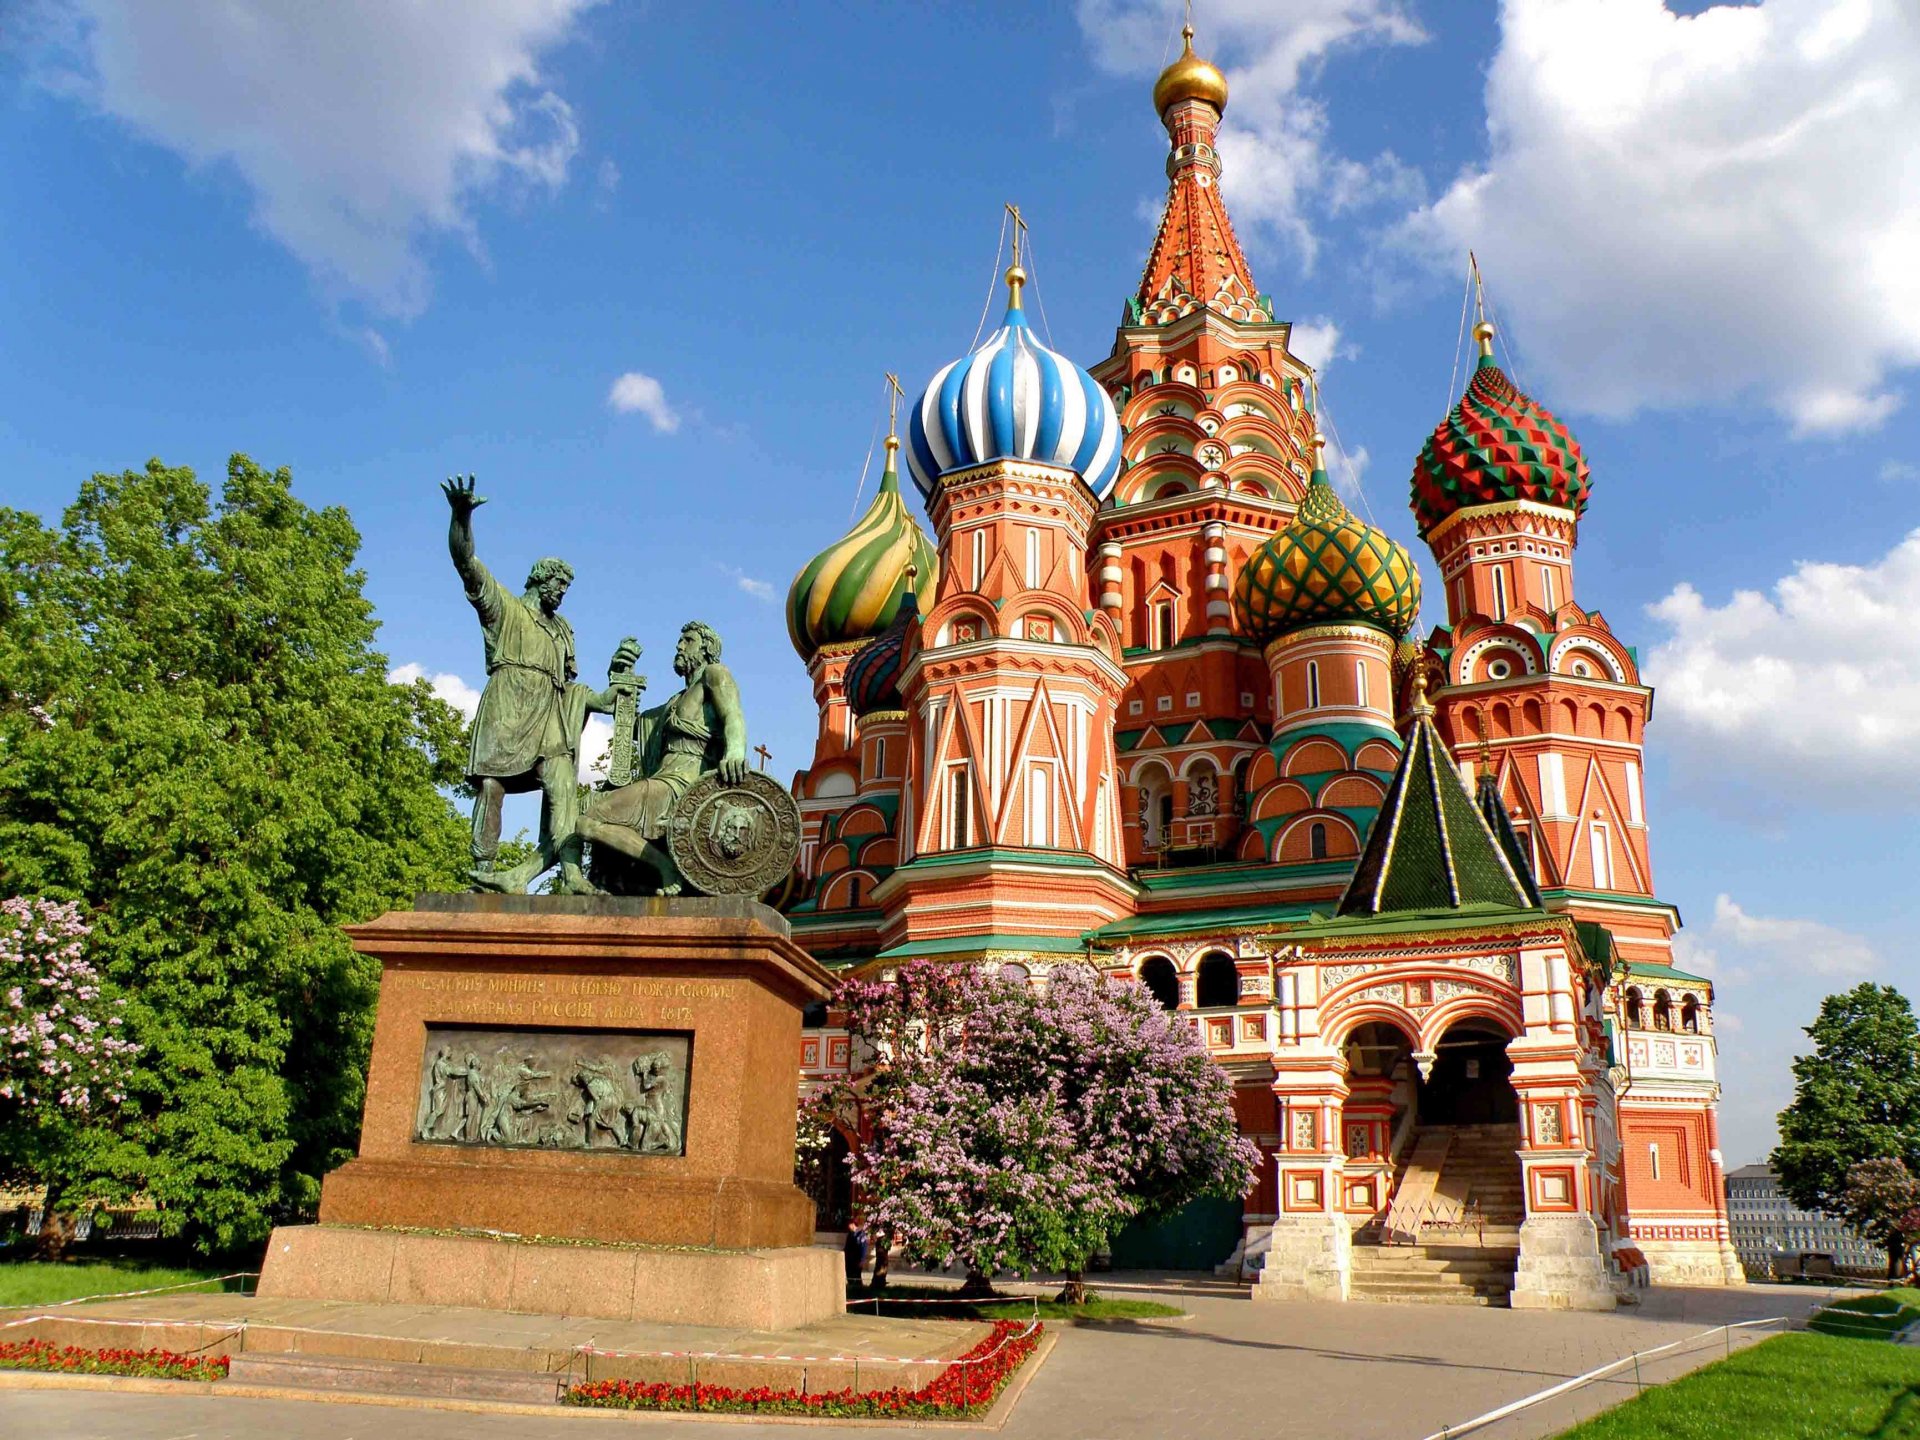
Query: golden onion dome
1326	567
1189	78
852	590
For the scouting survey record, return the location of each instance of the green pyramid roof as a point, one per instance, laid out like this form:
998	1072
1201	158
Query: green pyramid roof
1430	848
1487	797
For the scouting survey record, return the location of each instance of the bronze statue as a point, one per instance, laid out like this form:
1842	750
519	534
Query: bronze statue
700	731
681	812
526	732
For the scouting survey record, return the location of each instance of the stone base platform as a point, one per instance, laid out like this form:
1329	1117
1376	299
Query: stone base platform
766	1289
483	1353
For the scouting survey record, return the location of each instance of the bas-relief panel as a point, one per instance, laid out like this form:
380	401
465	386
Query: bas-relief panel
555	1089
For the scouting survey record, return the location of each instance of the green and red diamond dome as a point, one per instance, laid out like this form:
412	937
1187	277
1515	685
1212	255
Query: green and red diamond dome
1497	445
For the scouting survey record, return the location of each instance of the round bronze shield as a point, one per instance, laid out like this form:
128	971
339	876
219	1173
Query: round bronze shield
734	839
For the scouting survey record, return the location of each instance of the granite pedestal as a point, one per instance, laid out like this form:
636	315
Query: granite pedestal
696	1221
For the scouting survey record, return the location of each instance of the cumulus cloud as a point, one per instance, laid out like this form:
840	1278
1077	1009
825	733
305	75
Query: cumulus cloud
1687	209
1279	171
596	747
1815	684
637	394
1318	342
1744	947
759	589
362	128
449	687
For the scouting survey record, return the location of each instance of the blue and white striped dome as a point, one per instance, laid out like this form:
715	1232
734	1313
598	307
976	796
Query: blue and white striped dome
1013	398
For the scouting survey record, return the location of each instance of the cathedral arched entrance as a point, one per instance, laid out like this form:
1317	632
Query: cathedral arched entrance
1470	1079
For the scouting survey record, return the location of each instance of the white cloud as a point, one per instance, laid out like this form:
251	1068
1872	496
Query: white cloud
759	589
1745	948
363	128
596	745
1899	471
1680	210
1317	341
449	687
634	393
1815	685
1278	170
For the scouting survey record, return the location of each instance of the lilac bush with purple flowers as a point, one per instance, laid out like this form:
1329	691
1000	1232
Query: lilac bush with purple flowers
63	1057
1021	1127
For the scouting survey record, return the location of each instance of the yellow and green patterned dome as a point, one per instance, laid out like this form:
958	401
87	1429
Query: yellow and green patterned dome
1326	567
852	589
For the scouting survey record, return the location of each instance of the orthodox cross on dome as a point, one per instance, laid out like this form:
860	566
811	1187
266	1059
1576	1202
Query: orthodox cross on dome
1016	277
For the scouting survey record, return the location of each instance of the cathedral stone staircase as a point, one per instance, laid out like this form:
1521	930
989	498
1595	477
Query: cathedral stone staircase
1452	1236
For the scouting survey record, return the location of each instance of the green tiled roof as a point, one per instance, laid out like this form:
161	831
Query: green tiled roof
1140	927
1648	971
972	944
1495	814
1430	848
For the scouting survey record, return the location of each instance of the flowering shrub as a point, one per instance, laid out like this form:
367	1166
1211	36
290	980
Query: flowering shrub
60	1046
968	1386
1021	1127
77	1360
64	1062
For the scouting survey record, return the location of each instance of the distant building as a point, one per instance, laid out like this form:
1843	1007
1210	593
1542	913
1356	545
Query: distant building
1766	1223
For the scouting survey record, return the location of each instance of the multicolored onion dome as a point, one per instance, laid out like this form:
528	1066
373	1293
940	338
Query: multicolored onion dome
851	590
1326	567
1189	78
1013	398
872	681
1496	445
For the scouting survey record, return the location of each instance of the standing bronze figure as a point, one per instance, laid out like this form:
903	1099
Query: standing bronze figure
526	733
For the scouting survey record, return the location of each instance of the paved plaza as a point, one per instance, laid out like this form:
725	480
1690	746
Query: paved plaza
1235	1371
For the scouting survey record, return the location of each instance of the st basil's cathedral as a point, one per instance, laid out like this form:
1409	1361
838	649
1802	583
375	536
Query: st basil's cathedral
1151	699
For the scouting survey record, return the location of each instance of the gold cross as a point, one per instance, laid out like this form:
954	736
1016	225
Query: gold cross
1479	293
894	396
1019	229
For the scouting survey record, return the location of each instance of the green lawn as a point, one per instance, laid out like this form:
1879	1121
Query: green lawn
41	1282
1793	1387
1870	1317
1009	1307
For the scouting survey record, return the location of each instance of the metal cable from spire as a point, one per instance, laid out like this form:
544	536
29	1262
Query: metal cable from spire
993	282
893	396
1466	298
1033	269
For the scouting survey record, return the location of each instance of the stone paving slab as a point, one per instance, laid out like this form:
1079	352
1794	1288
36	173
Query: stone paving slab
844	1350
1236	1371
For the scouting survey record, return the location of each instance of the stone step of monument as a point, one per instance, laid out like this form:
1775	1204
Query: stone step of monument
395	1377
1380	1292
1411	1261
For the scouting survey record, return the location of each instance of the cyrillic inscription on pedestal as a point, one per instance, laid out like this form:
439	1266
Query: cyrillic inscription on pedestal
555	1089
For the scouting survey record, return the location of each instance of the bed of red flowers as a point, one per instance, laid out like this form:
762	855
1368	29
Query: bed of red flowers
78	1360
965	1388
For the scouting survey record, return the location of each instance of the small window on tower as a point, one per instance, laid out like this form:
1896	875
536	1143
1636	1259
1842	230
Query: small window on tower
1546	587
1360	681
959	817
1163	633
1313	684
880	755
1498	669
1499	593
1317	842
979	557
1033	557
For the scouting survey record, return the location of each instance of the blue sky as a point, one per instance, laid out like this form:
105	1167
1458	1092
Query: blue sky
380	245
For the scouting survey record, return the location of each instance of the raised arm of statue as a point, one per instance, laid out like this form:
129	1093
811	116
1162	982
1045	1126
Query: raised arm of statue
725	696
462	502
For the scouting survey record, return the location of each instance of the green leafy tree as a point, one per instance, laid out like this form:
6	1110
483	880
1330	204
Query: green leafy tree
198	741
1856	1097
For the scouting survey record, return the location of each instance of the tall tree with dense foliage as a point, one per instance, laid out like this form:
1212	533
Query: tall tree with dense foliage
199	743
1014	1126
1856	1097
